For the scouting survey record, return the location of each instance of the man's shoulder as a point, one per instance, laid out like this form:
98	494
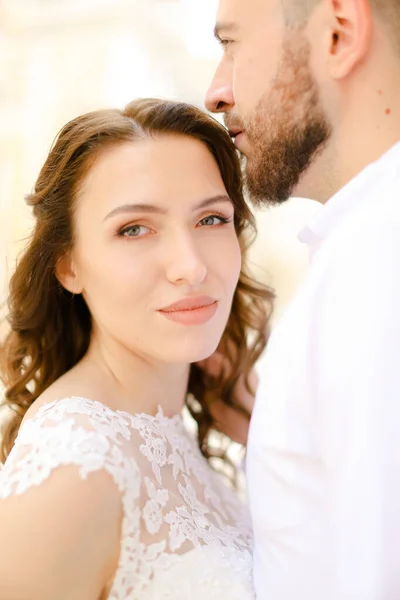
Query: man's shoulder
369	232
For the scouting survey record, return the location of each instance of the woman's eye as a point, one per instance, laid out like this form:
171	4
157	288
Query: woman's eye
213	220
134	231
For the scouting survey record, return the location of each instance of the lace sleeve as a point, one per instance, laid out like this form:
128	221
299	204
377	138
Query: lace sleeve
71	480
70	432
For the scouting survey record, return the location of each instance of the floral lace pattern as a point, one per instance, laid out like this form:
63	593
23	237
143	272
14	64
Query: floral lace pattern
185	535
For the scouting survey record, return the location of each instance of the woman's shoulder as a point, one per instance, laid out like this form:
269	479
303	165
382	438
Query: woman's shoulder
77	391
64	480
70	431
80	411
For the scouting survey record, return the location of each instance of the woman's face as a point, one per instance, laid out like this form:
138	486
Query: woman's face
156	254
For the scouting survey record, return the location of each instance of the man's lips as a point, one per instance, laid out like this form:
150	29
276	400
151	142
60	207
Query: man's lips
237	136
235	131
188	304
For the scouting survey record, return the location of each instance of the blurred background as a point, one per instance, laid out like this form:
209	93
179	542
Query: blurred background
60	58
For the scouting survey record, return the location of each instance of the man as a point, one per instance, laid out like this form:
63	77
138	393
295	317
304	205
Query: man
311	93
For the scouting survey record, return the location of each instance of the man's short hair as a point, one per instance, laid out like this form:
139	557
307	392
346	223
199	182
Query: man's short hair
297	13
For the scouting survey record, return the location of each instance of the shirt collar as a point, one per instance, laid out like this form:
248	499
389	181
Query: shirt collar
346	199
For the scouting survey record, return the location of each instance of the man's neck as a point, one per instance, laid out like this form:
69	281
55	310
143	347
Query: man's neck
334	168
367	127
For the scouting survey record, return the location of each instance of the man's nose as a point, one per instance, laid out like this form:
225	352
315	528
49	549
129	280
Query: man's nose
219	97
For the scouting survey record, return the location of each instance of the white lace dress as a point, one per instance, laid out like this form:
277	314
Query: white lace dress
185	535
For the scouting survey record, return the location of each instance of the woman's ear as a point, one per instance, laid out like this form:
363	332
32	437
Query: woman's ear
67	274
351	34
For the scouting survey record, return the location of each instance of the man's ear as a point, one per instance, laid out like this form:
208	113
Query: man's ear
67	274
351	32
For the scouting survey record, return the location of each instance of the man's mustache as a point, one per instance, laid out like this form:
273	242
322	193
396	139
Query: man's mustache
233	122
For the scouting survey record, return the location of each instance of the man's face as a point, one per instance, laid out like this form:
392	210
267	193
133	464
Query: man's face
265	86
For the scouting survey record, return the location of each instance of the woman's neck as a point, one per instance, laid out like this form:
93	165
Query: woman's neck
136	383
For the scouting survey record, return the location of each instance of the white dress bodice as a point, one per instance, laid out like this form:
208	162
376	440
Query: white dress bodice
185	535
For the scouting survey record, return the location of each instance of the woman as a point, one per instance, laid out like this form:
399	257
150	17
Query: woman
134	273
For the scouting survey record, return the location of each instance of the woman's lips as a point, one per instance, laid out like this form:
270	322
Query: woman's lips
191	310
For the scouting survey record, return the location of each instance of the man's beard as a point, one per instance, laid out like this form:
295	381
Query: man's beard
287	131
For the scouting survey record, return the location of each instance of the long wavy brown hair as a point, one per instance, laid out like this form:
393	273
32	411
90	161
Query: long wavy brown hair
50	333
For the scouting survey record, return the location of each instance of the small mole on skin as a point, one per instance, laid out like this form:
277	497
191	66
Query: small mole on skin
388	111
380	92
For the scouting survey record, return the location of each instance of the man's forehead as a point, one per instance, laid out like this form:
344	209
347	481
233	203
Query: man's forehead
236	13
232	11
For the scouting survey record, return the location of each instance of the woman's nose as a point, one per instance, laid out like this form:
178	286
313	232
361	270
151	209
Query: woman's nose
186	264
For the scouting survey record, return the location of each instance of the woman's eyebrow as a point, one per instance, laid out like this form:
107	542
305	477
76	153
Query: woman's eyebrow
153	208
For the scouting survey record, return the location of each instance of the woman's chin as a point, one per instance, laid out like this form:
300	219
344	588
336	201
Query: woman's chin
192	354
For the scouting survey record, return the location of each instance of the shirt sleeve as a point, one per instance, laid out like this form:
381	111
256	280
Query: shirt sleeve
328	463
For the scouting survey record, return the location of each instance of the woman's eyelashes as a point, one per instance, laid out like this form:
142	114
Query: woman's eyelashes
214	220
137	230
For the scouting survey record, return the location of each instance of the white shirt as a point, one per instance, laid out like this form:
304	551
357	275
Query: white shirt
323	458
